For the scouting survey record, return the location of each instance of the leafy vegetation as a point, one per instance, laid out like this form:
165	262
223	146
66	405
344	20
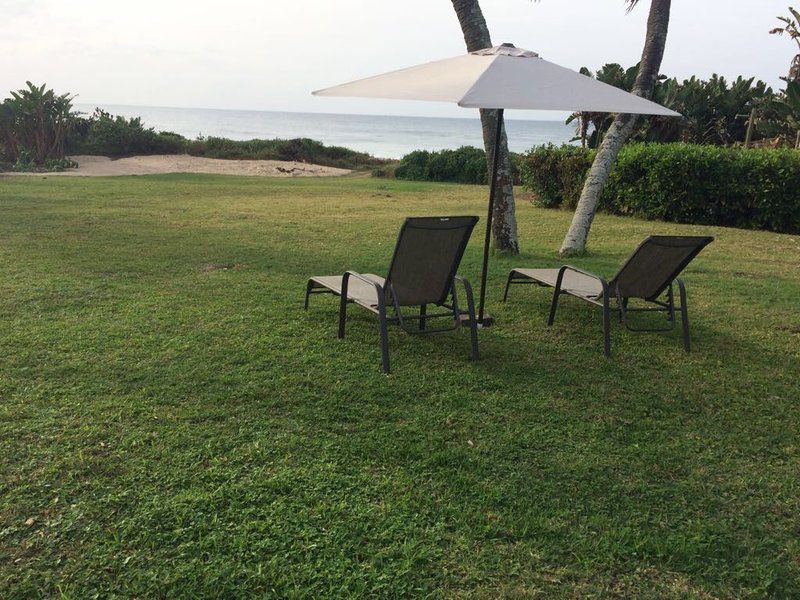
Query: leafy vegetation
555	174
38	128
34	125
173	424
464	165
791	27
684	183
104	134
715	111
300	149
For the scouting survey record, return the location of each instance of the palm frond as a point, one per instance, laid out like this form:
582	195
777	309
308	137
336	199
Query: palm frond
631	4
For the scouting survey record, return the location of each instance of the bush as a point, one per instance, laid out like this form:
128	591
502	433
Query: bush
26	163
34	125
555	174
684	183
708	185
299	149
464	165
413	166
103	133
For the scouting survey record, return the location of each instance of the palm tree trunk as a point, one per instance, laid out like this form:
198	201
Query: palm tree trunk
621	129
504	224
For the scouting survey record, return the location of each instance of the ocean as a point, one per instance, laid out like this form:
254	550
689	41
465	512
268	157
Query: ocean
381	136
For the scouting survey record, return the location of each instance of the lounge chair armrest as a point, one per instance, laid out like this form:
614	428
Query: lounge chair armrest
348	274
467	286
581	271
462	280
565	268
378	288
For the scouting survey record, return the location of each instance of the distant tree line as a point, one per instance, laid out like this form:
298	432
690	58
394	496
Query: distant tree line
714	111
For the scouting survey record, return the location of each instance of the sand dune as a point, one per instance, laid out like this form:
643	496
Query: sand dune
102	166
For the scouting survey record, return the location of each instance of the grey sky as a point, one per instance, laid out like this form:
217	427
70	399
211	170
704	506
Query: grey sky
269	55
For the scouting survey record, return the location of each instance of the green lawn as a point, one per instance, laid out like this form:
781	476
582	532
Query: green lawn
173	424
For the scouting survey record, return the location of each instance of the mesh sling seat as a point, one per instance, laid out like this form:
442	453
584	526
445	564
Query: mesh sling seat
648	275
422	272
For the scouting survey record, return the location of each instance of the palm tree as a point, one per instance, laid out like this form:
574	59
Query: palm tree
621	129
612	74
504	224
791	27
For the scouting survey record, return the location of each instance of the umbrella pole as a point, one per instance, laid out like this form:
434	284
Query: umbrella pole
490	215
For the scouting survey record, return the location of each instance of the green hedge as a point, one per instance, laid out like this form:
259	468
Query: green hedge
682	183
464	165
555	174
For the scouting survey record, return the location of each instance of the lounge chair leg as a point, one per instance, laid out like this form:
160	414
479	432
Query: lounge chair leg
309	287
684	315
423	309
508	284
473	320
606	326
553	306
343	305
671	302
384	338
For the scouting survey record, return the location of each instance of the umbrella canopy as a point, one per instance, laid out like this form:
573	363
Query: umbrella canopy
500	77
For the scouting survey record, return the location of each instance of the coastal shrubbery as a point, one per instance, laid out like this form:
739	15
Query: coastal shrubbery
108	135
35	124
464	165
299	149
555	174
683	183
38	129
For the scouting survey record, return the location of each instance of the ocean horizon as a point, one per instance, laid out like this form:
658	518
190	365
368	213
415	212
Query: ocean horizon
383	136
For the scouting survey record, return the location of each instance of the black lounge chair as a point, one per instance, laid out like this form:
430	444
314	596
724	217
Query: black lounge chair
647	274
422	272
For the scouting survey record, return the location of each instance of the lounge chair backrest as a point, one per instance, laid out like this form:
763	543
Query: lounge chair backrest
655	264
426	257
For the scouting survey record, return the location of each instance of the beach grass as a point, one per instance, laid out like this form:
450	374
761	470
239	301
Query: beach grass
173	424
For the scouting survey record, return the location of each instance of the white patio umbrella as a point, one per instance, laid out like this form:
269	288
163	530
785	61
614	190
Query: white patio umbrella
498	78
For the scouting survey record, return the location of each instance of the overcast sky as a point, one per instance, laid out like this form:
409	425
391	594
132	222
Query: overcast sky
269	55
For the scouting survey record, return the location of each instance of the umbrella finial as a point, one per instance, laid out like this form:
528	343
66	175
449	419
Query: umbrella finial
506	49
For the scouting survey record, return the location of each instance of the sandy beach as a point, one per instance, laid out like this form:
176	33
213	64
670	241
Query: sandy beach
102	166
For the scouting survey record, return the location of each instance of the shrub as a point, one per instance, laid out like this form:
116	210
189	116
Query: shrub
103	133
299	149
683	183
26	163
708	185
386	171
34	125
555	174
413	166
464	165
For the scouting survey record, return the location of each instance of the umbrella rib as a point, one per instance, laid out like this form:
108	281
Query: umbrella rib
476	83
